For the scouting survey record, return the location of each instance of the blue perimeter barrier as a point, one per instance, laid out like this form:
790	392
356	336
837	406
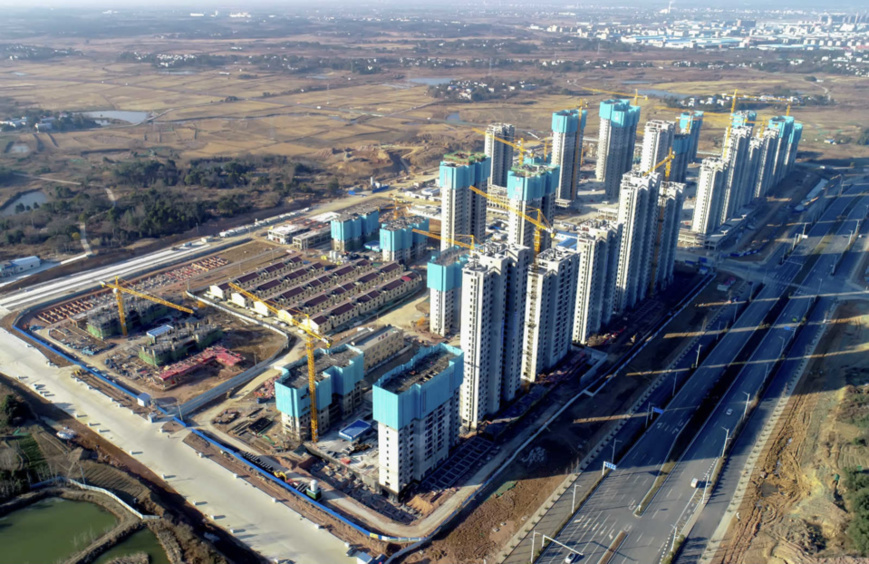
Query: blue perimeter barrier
220	446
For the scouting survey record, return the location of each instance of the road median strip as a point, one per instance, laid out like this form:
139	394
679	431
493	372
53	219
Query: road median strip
613	548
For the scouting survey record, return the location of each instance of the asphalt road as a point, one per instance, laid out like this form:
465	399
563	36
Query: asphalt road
610	509
46	291
719	497
830	292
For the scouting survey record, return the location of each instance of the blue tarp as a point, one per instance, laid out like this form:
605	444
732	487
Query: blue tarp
354	430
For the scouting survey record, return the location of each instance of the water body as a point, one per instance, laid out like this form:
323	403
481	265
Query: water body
118	115
19	149
140	541
51	530
637	82
662	93
454	117
430	80
26	198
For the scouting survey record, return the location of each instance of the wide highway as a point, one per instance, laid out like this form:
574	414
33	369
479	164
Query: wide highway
609	513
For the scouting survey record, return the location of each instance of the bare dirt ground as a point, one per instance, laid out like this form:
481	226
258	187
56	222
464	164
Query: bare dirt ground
793	511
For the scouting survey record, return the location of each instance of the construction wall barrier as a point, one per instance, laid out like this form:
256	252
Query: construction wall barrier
221	446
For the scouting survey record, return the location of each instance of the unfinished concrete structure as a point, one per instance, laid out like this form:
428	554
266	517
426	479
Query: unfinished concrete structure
444	280
765	165
179	342
398	242
351	230
615	146
670	200
530	187
681	157
657	141
463	212
494	285
568	127
104	322
597	244
549	310
710	196
638	215
339	385
736	191
500	154
416	406
691	123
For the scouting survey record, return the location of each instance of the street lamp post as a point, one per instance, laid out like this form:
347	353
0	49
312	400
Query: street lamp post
782	339
697	362
726	438
747	400
615	442
533	536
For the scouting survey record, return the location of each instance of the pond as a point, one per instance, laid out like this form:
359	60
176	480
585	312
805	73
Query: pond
51	530
118	115
25	199
140	541
662	93
430	80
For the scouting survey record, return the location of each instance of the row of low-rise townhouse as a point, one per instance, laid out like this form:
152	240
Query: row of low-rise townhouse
321	300
292	288
389	293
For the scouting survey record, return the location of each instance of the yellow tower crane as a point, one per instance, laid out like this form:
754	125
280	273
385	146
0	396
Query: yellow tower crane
540	224
119	291
311	338
470	246
636	95
666	162
519	145
399	206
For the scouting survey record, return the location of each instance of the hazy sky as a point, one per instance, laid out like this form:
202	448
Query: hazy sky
278	4
284	6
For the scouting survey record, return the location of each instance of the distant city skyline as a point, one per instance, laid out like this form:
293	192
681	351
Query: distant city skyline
278	5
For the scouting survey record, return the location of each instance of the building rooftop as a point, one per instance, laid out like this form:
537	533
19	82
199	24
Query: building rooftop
531	169
403	223
298	373
287	229
427	367
315	232
554	254
369	335
462	158
449	256
362	209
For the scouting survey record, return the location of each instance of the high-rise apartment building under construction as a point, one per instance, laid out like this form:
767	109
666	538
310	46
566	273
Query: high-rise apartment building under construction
616	141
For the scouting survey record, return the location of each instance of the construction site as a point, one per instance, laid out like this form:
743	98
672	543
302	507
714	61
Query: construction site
395	359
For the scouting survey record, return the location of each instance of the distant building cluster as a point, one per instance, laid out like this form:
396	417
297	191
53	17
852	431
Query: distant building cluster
850	32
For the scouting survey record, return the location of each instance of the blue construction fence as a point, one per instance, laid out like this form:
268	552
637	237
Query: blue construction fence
219	445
